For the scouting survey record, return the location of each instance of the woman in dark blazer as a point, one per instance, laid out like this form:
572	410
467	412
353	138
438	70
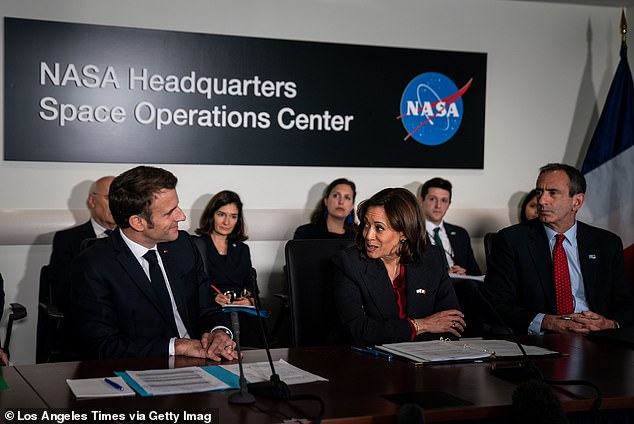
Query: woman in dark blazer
392	286
228	260
333	217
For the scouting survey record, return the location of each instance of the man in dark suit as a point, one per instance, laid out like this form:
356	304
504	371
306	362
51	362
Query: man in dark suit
66	243
523	278
143	291
434	199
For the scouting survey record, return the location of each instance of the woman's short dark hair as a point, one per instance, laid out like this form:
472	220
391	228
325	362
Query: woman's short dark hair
403	213
525	201
320	212
132	192
225	197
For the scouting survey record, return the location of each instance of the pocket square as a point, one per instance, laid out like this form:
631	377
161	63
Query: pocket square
421	291
592	256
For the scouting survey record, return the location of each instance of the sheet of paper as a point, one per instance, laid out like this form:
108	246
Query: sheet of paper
467	277
261	371
98	387
176	380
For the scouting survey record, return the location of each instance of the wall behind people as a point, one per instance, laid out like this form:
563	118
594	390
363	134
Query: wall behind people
548	70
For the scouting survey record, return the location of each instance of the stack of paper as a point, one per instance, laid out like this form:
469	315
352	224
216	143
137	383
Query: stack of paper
440	351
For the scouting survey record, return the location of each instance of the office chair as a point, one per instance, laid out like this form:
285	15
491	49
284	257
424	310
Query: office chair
491	326
489	239
49	339
54	341
314	318
18	312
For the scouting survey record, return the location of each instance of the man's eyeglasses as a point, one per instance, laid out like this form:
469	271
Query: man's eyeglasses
94	193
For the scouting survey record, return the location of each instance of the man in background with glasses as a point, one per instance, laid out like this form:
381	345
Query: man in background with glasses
66	246
67	243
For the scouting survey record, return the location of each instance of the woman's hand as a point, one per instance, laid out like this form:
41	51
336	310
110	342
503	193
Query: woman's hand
244	301
449	321
221	299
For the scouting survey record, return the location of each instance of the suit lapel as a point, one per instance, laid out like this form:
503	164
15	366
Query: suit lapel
451	233
542	263
379	289
587	261
169	262
88	231
133	268
416	285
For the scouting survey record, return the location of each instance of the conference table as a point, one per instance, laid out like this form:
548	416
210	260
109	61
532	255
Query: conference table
18	393
356	387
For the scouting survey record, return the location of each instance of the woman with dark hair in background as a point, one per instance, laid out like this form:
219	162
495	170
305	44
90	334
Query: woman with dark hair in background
528	208
333	216
392	286
227	259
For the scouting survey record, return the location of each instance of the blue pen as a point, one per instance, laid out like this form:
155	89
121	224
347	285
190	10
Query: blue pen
373	352
113	384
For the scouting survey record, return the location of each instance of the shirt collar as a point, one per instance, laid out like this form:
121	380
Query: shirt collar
96	227
429	226
571	233
137	250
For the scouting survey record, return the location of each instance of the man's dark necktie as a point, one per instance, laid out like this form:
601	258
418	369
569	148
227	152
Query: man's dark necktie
158	283
438	242
563	288
437	239
108	232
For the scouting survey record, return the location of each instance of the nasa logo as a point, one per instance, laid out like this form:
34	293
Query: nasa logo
431	108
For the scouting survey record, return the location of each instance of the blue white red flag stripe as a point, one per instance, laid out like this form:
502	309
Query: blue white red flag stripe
609	164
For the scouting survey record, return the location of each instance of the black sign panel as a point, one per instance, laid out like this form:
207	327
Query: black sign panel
91	93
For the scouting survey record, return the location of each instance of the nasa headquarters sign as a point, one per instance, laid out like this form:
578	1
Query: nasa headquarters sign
91	93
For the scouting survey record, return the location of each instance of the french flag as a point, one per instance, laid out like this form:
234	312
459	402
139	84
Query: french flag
609	163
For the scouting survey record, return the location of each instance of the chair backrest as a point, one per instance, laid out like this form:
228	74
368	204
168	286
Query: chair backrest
489	238
48	343
17	312
314	319
1	296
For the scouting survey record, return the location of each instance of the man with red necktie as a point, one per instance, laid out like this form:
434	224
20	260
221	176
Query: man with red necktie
555	273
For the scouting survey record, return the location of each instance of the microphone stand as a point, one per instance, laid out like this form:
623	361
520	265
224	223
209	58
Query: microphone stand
242	397
274	388
523	370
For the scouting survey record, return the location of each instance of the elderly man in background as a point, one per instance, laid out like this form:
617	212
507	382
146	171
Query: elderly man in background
66	243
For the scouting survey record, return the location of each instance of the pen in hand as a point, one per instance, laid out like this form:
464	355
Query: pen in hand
114	384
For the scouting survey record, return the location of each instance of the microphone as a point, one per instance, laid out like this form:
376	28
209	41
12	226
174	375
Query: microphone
523	370
274	388
241	397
